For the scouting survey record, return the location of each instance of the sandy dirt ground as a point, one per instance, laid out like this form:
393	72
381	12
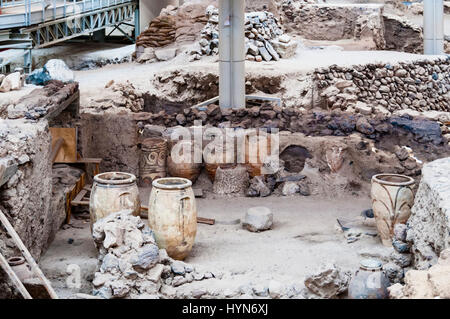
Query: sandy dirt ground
304	236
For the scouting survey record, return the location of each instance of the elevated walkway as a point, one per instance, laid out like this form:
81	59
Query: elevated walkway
27	24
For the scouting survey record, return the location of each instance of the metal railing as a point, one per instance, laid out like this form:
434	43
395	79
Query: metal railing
12	3
69	7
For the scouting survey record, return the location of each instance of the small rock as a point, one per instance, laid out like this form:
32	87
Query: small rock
290	188
400	246
394	272
258	219
166	54
400	232
329	282
275	289
403	260
178	267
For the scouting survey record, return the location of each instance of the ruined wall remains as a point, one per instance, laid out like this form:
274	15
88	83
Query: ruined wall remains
25	198
401	35
334	22
429	224
419	85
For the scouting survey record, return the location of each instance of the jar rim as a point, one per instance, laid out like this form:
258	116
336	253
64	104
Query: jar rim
371	264
16	261
115	178
390	179
172	183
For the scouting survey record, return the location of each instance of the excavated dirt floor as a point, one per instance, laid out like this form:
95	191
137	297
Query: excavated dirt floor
304	236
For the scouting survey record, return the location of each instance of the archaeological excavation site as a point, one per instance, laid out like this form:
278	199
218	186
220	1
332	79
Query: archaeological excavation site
224	149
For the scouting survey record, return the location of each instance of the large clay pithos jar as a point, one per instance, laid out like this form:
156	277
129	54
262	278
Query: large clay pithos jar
369	282
113	192
392	199
152	163
255	154
184	165
219	153
173	215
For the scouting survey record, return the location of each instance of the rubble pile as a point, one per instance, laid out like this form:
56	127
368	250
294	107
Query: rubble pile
426	284
131	264
118	95
160	32
40	102
264	37
419	85
11	82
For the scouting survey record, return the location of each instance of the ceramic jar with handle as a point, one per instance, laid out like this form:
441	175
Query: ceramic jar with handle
172	215
113	192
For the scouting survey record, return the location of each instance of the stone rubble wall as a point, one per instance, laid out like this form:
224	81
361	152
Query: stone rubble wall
25	198
419	85
429	224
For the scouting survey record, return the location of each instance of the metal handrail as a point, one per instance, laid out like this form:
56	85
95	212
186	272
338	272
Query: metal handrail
85	5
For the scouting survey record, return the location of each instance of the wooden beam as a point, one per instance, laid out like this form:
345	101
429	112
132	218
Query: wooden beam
200	220
34	267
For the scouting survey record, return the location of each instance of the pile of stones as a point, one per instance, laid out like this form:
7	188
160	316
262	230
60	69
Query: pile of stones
40	102
264	37
130	263
118	95
420	85
433	283
11	82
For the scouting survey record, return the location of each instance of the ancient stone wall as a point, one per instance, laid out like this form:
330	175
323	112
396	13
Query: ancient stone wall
419	85
429	224
334	22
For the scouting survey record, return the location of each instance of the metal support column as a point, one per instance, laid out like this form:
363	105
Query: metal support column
232	53
433	26
137	25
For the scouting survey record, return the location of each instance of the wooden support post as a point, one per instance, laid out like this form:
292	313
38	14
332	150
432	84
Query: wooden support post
34	267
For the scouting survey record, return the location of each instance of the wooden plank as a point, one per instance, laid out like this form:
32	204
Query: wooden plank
208	221
34	267
89	160
68	151
79	198
200	220
15	280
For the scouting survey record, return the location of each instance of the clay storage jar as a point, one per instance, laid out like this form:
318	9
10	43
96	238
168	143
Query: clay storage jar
113	192
21	268
184	166
152	163
255	153
219	153
369	282
392	199
173	215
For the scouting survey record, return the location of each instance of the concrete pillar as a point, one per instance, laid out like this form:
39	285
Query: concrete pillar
150	9
231	53
433	26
